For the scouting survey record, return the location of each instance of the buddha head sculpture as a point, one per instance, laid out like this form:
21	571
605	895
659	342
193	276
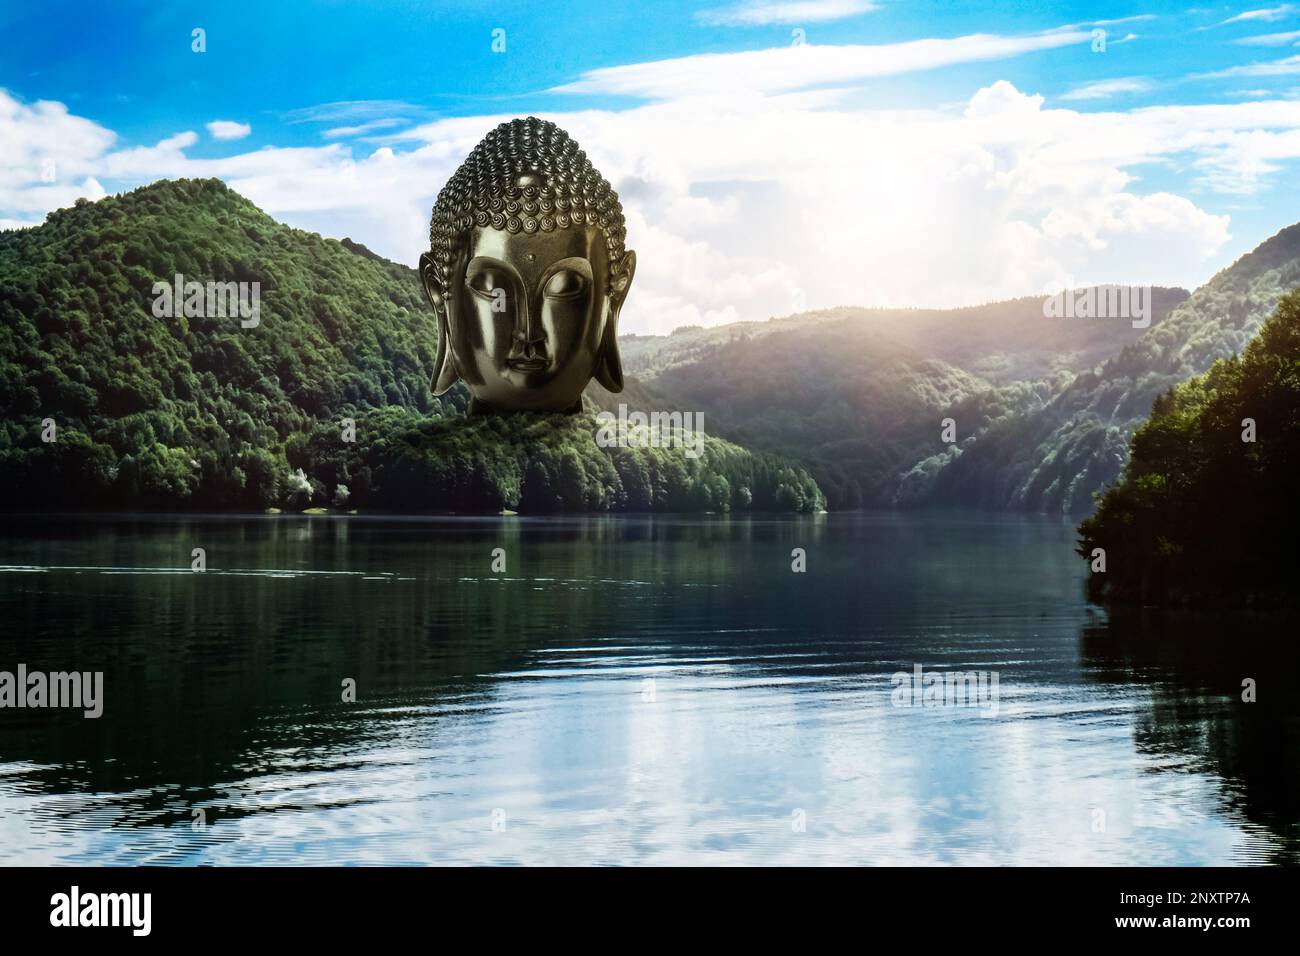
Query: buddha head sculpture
527	272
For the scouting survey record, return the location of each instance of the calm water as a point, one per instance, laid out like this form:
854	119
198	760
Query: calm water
650	690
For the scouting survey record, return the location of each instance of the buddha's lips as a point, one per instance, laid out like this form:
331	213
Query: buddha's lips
527	364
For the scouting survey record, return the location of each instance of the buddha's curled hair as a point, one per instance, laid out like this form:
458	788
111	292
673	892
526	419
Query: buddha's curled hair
527	175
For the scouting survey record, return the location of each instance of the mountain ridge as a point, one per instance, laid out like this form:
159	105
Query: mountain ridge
1041	409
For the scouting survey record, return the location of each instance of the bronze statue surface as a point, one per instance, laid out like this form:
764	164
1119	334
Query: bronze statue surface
527	272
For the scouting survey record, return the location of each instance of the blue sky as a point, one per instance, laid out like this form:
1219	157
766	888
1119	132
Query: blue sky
907	153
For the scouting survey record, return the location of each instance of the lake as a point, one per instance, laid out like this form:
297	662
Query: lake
604	690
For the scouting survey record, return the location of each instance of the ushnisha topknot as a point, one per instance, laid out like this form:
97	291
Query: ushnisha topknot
527	175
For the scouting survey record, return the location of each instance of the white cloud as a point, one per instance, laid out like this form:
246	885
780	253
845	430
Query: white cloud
1271	39
766	12
351	111
47	157
1283	67
1262	15
781	203
228	129
1105	88
347	132
782	69
1134	19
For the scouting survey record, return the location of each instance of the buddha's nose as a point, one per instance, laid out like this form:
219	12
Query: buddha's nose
529	340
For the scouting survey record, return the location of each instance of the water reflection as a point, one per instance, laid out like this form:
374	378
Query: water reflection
627	690
1196	666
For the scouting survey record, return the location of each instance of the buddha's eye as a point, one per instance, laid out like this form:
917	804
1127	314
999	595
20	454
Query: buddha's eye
487	282
564	284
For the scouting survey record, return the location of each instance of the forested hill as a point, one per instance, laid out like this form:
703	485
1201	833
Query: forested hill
860	395
998	341
1060	452
107	400
1205	512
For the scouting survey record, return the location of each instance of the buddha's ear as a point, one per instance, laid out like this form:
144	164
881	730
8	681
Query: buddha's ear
609	366
444	366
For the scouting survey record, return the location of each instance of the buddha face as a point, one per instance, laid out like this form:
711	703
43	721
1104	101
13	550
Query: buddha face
527	272
530	318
